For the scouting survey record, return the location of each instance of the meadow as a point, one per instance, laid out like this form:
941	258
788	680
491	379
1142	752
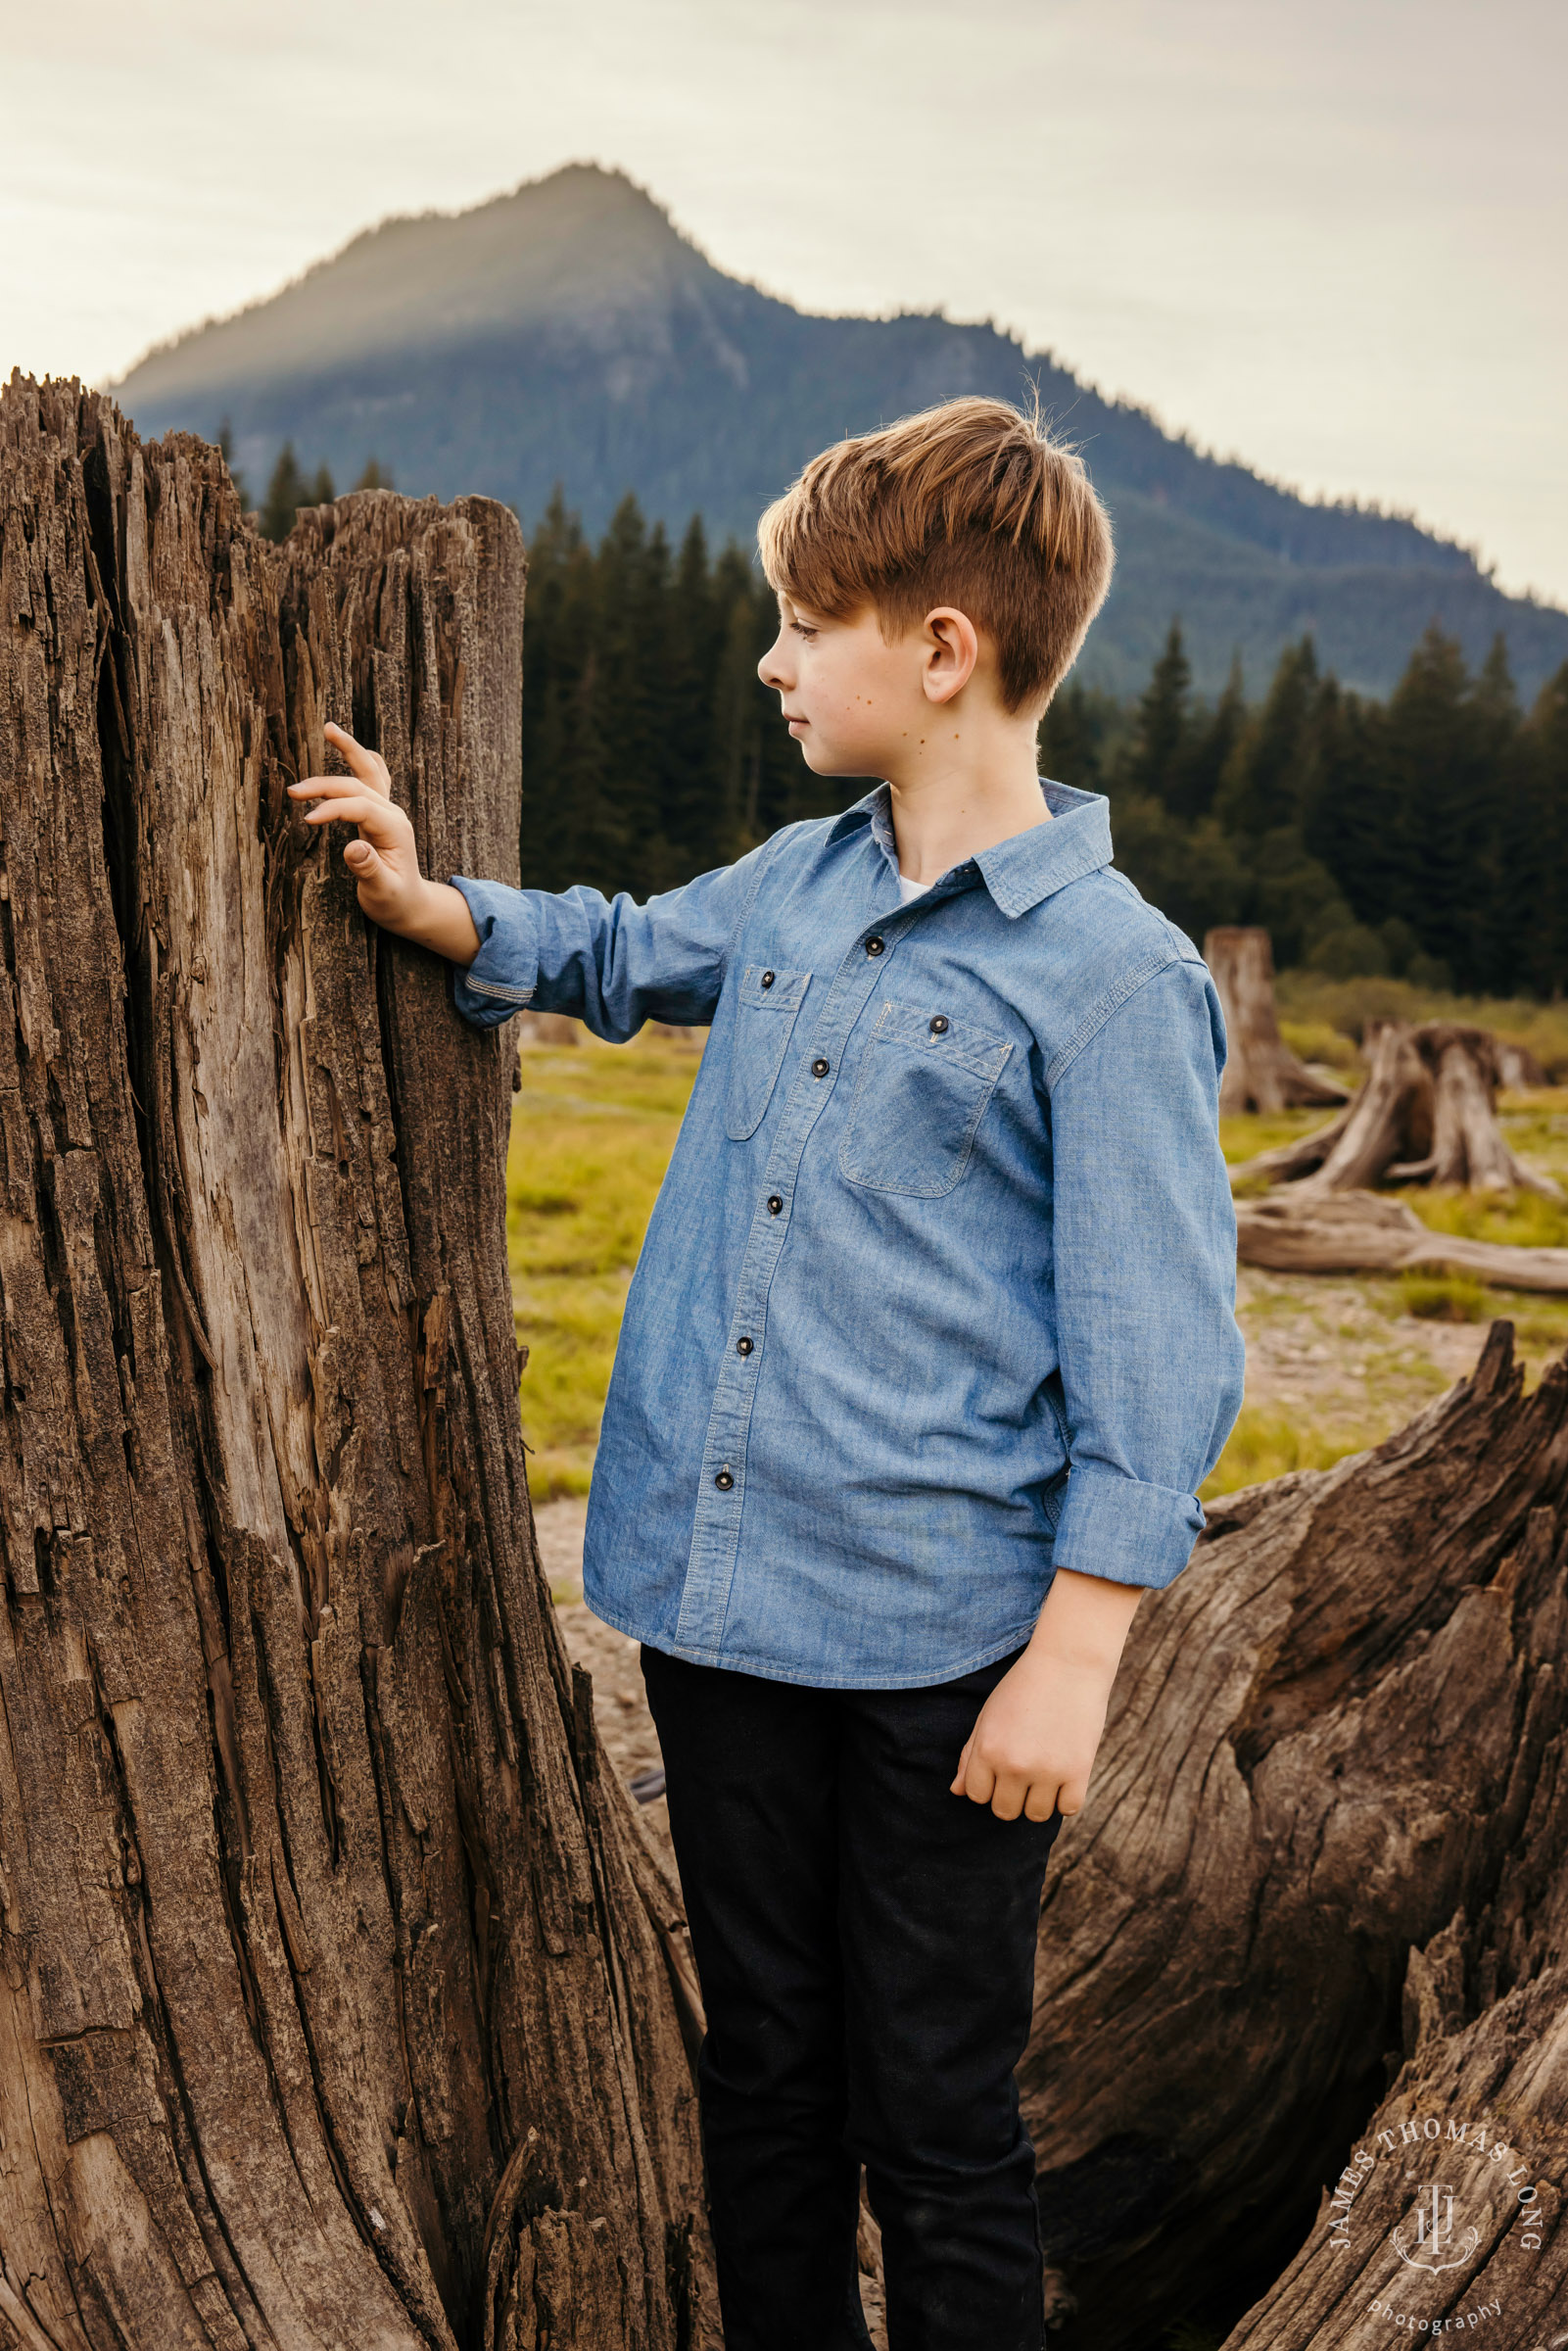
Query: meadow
1335	1364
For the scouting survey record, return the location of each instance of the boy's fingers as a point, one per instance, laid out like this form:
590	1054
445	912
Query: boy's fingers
324	787
956	1786
1041	1803
359	809
1007	1797
368	766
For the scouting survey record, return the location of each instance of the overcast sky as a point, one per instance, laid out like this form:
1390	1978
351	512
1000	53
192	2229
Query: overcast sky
1323	235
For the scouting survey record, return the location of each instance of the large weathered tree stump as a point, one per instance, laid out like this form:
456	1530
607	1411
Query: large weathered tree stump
1261	1073
1344	1725
1449	2210
337	2006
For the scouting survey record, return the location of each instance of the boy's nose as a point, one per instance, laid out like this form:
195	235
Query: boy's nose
769	670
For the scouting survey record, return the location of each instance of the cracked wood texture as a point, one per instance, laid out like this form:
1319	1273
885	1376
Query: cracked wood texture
340	2005
1338	1739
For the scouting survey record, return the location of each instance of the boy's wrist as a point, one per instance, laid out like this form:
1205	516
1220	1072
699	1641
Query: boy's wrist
1084	1622
438	918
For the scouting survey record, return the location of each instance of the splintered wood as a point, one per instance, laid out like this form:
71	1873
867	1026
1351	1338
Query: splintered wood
1317	1906
338	2005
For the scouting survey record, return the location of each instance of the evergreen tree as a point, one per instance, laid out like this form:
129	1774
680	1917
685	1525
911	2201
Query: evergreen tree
1354	821
1436	771
1267	776
1082	736
374	477
693	647
739	722
1158	751
1509	818
573	828
287	490
633	640
1211	744
1532	896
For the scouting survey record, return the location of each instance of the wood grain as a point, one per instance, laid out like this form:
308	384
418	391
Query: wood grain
337	2006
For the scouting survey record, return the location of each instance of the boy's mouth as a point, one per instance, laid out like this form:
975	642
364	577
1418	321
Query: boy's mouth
794	724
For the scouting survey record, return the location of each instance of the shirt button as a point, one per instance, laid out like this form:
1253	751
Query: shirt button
819	1067
724	1481
742	1346
768	978
939	1024
775	1204
875	946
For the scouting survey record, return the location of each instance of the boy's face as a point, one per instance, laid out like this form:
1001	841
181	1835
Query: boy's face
857	705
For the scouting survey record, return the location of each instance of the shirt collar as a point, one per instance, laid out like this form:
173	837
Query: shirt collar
1029	868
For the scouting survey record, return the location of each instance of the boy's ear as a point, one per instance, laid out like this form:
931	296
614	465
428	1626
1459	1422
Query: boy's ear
952	647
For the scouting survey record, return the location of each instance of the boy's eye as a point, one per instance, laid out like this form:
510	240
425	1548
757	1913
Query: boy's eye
802	628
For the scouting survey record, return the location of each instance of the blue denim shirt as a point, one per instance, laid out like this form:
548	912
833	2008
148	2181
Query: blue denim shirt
937	1293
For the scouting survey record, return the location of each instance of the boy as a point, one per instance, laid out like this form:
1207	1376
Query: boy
946	1220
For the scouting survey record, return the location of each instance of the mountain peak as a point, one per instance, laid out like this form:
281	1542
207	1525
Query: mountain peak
583	243
568	332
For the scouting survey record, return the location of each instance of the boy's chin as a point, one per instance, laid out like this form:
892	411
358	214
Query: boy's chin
829	759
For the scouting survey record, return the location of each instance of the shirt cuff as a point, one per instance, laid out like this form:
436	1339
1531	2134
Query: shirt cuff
503	975
1127	1531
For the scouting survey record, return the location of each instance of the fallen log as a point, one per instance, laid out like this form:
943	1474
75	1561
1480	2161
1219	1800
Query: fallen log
1303	1230
339	1996
1326	1739
1261	1073
1426	1113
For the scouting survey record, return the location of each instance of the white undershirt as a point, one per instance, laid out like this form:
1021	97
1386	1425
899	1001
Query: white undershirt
909	891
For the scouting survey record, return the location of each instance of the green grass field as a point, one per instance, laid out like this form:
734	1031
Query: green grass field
592	1131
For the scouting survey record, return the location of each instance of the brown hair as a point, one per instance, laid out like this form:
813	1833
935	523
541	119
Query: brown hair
971	503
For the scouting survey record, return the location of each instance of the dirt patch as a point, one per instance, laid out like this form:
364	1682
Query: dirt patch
1334	1352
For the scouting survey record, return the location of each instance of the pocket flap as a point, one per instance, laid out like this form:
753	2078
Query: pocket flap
936	1031
772	991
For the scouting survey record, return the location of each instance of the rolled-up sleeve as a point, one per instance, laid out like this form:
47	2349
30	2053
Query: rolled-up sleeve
609	962
1145	1265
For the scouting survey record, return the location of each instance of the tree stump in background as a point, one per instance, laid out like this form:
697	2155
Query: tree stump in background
338	1999
1518	1070
1426	1113
1261	1073
1343	1727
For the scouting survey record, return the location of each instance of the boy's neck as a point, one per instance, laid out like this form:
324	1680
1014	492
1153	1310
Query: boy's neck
950	804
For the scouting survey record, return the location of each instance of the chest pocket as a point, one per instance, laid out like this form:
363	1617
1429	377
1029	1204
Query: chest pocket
765	1020
924	1081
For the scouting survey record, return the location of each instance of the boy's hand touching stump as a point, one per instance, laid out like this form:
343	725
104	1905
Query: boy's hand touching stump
1033	1749
384	860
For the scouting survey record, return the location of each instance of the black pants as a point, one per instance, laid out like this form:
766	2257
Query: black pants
866	1945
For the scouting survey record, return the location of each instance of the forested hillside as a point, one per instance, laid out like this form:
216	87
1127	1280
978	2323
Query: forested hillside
1425	836
569	332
